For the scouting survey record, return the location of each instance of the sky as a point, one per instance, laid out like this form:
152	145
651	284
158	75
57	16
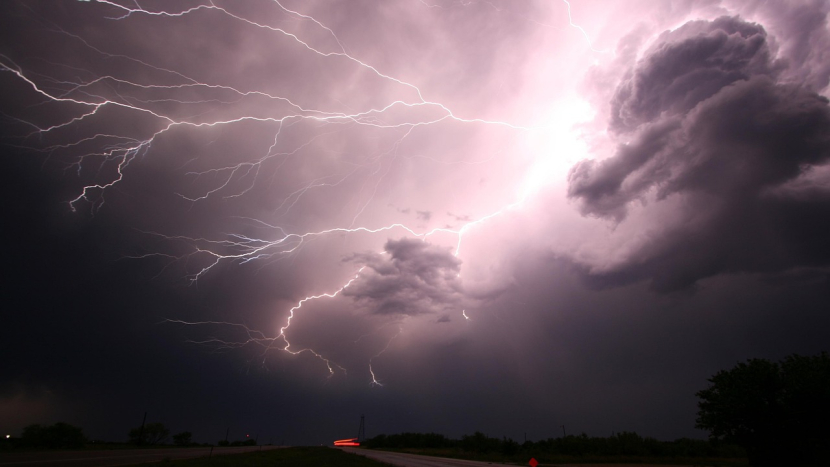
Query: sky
273	217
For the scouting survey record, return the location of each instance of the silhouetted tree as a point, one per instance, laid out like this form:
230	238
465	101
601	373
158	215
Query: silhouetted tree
183	438
623	443
154	433
778	411
57	436
509	447
479	442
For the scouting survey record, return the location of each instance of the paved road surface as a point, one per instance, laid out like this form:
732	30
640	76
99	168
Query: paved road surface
114	457
414	460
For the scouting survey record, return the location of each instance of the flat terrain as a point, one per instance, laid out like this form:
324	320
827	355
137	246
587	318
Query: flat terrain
257	456
115	457
401	459
414	460
312	456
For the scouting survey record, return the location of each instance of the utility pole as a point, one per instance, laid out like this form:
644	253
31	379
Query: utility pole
361	432
226	434
565	435
141	430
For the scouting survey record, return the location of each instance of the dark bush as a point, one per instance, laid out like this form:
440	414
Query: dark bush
183	438
58	436
151	433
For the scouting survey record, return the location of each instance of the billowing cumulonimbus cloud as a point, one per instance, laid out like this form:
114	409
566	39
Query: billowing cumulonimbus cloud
412	277
804	39
717	125
688	66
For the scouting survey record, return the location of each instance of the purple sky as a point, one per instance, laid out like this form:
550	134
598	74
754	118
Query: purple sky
503	216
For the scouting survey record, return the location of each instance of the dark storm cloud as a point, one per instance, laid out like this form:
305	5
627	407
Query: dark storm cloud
688	66
714	130
413	277
804	39
706	113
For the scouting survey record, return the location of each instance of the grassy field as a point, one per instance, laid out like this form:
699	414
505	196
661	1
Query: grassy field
288	457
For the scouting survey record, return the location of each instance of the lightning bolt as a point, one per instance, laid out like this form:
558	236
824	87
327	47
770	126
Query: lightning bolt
375	381
89	99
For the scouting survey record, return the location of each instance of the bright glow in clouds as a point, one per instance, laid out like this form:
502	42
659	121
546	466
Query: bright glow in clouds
420	132
289	142
558	148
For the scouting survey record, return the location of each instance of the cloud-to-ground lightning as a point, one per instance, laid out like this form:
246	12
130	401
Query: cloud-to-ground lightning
375	381
88	98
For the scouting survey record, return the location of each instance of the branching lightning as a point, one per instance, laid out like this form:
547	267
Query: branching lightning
375	381
86	100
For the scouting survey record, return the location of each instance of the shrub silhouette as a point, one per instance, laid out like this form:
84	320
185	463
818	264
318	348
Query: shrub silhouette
777	411
57	436
621	444
183	438
153	433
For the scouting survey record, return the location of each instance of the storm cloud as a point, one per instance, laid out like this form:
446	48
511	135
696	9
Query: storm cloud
410	278
448	216
714	131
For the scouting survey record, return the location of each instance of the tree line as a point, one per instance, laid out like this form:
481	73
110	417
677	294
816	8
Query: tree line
772	413
777	413
620	444
65	436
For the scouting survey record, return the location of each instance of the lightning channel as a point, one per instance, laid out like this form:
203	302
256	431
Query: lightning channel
88	99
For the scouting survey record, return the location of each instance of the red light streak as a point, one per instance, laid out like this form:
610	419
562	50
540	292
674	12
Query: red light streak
347	442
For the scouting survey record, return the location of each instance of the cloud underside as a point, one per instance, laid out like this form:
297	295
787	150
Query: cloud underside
717	124
412	277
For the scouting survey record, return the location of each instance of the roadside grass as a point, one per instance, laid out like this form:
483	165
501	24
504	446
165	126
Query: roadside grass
286	457
544	459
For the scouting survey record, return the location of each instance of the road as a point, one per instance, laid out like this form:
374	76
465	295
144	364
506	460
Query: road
114	457
415	460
